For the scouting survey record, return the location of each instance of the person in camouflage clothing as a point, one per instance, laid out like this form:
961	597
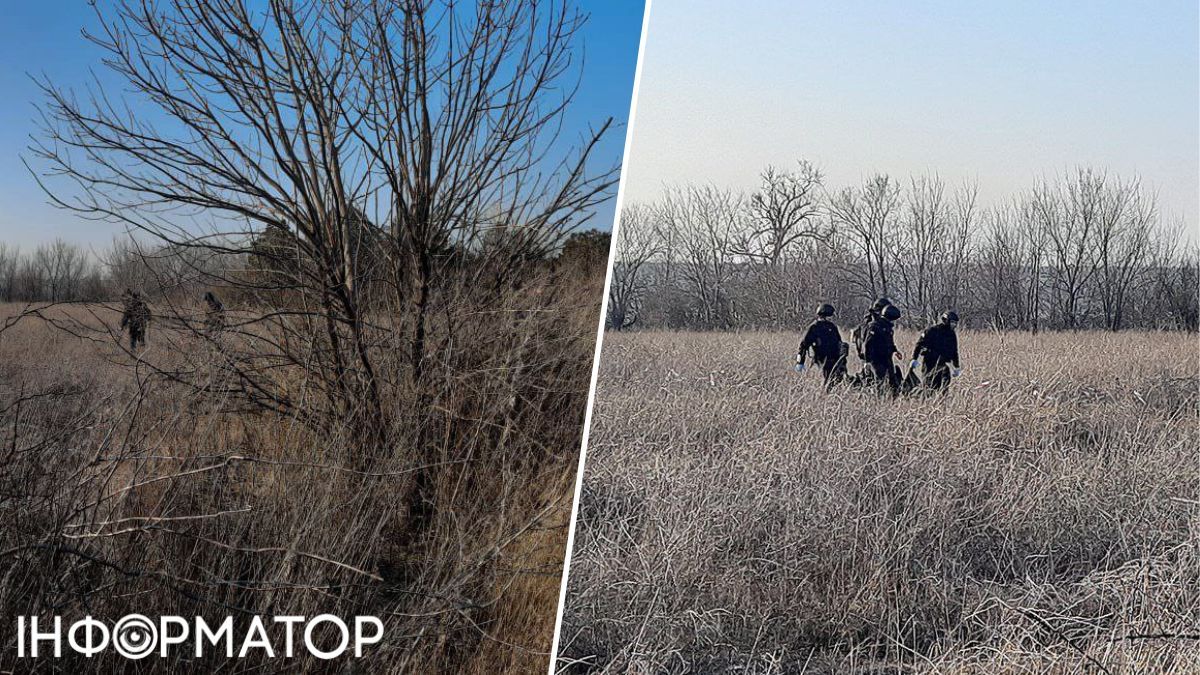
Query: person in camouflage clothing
214	313
134	318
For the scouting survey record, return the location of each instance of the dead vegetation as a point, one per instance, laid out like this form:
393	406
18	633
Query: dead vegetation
124	492
1041	518
380	415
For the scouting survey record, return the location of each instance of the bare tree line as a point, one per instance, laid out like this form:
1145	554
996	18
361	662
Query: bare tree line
1087	249
60	271
63	272
51	272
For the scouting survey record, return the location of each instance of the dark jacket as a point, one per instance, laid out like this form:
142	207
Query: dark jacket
859	334
938	345
825	340
880	341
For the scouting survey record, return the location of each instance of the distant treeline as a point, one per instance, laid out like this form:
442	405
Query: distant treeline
1084	250
50	272
61	271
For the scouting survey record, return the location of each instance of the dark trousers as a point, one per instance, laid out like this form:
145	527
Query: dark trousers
937	375
833	369
887	377
136	336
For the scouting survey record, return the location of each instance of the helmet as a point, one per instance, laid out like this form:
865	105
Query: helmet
880	304
825	310
950	316
891	312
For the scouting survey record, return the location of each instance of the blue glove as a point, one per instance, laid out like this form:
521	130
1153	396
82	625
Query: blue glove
912	365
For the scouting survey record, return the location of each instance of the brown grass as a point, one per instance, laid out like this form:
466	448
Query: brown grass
1041	518
298	531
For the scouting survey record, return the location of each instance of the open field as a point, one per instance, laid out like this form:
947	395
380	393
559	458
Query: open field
120	494
1043	517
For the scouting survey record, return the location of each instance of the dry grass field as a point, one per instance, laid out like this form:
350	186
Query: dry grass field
1042	518
119	495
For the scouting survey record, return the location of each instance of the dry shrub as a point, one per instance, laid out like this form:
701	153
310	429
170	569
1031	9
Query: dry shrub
1040	518
122	492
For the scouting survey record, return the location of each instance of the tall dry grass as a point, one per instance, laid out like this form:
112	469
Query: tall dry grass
1042	517
121	492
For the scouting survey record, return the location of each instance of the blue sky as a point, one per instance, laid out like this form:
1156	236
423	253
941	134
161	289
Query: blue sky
44	38
1000	92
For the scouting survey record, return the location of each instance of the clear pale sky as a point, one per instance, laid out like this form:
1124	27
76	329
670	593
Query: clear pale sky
44	38
1001	92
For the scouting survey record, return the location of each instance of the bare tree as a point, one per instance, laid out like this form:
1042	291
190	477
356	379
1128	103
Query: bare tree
1177	284
10	265
1071	214
956	251
921	243
706	220
126	263
867	218
1124	238
1001	257
417	127
785	213
636	246
1032	238
61	268
784	210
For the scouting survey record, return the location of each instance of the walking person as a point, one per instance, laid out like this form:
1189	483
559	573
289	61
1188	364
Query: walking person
859	334
879	346
825	341
937	349
135	317
214	313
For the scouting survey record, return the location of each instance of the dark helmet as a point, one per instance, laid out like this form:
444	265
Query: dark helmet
880	304
891	312
950	316
825	310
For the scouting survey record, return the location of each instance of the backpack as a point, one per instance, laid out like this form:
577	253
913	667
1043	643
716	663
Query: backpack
859	335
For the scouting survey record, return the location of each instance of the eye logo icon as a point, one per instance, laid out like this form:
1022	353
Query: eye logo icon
135	636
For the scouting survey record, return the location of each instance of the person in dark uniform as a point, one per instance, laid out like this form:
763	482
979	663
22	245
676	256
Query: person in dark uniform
937	348
859	334
825	341
879	346
134	318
